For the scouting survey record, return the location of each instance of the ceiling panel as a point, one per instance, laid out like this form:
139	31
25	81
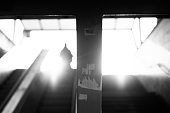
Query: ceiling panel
124	23
68	23
49	23
31	24
117	23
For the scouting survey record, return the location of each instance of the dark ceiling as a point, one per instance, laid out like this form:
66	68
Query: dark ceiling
47	7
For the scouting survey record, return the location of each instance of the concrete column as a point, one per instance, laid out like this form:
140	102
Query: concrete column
89	35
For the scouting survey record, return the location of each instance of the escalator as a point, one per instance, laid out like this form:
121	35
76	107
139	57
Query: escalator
42	97
132	98
16	84
56	100
34	94
9	83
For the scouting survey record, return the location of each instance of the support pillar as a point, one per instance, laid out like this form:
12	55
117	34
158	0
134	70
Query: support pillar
89	35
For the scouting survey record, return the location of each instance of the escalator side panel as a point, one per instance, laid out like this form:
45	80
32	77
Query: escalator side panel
22	87
32	96
8	84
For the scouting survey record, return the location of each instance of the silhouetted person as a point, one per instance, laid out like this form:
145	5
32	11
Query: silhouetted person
66	57
68	72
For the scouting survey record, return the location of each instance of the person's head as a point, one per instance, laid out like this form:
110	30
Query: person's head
66	55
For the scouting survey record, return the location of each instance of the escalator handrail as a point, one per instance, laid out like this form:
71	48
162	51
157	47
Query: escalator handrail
17	84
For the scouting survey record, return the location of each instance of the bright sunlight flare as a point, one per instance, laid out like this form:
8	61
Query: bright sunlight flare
52	67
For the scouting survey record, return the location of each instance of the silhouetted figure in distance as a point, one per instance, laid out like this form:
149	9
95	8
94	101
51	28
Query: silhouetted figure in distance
68	73
66	56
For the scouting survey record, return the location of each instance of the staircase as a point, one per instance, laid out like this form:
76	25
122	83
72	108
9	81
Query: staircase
130	99
8	84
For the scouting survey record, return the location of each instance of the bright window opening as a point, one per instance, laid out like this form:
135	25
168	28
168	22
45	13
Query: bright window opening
121	38
30	36
55	41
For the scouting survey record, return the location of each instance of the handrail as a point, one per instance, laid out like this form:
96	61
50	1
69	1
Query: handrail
24	74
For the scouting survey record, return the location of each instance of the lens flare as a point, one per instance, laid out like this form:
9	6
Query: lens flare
52	68
121	80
